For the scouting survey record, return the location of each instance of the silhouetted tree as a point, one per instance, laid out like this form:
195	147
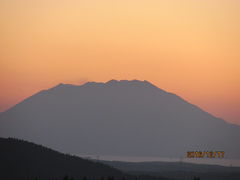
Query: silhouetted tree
110	178
66	177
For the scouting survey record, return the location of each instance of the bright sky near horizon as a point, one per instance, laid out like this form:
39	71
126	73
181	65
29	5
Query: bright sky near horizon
188	47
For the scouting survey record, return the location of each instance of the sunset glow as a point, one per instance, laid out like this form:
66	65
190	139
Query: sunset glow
188	47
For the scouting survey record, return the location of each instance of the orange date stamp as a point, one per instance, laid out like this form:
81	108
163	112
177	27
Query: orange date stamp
205	154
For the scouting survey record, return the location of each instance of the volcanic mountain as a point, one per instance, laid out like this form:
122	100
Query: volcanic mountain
118	118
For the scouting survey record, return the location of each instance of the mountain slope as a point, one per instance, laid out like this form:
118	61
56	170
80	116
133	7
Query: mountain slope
22	160
118	118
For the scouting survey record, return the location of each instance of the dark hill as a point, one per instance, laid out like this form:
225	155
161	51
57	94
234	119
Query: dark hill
21	160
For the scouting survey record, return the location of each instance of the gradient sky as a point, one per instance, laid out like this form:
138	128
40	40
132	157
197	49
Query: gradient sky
188	47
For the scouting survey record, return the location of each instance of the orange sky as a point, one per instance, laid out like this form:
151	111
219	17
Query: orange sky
188	47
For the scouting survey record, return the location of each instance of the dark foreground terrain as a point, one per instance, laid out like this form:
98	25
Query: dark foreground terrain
21	160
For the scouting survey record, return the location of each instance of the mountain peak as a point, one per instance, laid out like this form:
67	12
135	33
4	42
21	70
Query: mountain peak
62	85
129	82
112	82
66	85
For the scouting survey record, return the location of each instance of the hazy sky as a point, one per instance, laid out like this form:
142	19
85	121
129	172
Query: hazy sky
188	47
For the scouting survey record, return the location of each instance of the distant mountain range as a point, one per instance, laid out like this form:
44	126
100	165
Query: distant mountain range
118	118
178	170
27	161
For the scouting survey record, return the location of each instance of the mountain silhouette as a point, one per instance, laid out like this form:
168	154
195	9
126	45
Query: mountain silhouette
118	118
